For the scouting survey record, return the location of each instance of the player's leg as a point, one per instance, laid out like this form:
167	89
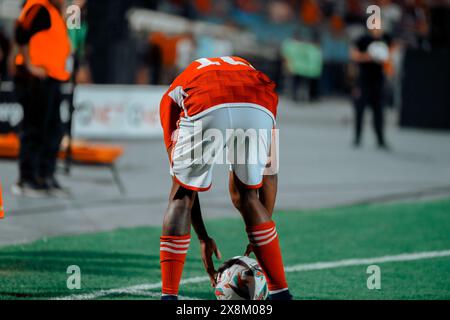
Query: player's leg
248	203
177	219
263	236
175	238
247	179
190	175
359	106
376	104
267	195
53	134
268	192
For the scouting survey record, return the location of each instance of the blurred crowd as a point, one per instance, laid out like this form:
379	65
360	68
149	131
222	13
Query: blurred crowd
311	39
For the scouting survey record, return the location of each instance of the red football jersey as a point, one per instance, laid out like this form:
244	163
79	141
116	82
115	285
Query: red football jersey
213	83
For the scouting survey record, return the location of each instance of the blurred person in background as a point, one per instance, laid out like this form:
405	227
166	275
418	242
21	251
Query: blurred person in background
42	64
204	7
354	12
371	52
391	15
164	55
78	38
310	13
215	45
4	53
414	26
335	46
303	61
185	51
155	61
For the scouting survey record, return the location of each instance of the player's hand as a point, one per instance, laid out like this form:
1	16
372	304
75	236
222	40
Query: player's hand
208	247
37	72
249	250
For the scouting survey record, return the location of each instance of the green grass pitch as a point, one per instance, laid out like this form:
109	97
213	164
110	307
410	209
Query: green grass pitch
129	257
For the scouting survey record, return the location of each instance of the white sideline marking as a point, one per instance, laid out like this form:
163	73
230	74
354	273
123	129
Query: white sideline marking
142	289
368	261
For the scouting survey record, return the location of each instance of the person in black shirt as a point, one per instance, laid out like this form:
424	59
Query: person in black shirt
370	52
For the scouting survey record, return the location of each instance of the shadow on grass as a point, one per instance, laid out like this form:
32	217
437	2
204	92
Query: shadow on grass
91	262
42	274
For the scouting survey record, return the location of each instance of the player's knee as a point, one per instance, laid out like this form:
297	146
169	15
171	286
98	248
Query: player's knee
182	199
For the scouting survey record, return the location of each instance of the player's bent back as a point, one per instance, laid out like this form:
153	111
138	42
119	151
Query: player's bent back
214	104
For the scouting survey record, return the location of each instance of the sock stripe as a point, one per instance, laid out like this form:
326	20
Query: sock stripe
265	236
261	231
175	245
173	250
266	246
263	243
181	241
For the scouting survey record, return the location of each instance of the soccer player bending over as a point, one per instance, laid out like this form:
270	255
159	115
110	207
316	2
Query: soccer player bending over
202	113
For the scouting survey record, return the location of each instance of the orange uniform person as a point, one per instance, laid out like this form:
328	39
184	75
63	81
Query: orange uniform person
220	104
42	64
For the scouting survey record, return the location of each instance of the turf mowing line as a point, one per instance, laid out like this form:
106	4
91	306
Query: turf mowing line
142	289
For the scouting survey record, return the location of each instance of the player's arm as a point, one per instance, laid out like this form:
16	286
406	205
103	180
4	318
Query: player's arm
36	71
36	20
208	246
169	113
358	56
197	221
358	52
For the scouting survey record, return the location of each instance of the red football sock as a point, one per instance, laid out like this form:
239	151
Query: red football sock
173	251
266	247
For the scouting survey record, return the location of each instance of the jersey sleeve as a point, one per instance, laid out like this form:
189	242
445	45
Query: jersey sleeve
169	113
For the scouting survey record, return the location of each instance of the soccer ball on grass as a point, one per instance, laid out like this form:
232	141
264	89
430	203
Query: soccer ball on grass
241	278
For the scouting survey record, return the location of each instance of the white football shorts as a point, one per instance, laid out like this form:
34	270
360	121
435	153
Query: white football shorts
239	137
